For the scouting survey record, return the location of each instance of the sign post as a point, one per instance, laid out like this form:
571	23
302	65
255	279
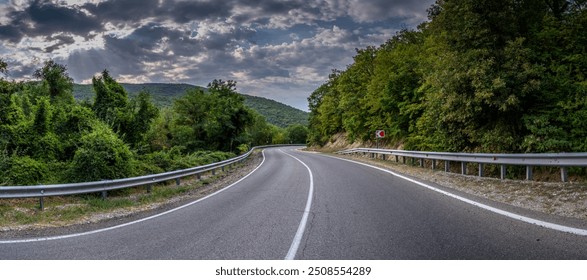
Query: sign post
379	134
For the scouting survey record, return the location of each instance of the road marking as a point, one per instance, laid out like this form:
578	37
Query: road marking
295	244
133	222
577	231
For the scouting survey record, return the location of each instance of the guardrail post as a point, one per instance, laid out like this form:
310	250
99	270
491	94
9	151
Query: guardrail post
433	164
177	181
421	162
41	202
213	172
446	166
564	174
104	195
463	168
199	176
528	172
396	158
502	171
404	159
383	157
480	169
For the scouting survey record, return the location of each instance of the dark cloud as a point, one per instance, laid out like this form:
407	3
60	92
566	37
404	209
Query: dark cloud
44	18
62	40
281	49
186	11
11	33
48	18
129	11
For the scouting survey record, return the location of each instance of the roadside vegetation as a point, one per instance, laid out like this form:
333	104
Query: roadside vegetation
494	76
24	214
48	137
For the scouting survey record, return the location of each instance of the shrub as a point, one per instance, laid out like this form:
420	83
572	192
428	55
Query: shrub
101	156
24	171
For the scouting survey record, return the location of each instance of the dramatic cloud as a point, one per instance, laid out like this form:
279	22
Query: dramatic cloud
277	49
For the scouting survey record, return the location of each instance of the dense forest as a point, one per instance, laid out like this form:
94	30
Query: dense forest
478	76
46	136
163	95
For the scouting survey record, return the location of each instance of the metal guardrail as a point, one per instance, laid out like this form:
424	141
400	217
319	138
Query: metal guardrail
561	160
40	191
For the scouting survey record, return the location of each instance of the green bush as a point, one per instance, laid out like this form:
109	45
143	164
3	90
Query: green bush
101	156
24	171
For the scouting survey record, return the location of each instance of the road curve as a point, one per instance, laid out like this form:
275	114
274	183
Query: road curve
309	206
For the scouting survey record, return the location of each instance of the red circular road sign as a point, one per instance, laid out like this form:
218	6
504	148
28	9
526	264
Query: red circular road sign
380	133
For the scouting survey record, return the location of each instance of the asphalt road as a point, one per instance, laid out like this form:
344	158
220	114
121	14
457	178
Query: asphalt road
309	206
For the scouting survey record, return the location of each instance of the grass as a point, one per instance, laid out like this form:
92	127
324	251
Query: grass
65	210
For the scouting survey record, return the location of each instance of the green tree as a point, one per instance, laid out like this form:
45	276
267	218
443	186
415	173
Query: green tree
297	134
216	120
141	113
111	99
56	82
260	132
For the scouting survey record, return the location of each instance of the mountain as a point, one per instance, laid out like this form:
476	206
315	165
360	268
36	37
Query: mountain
163	95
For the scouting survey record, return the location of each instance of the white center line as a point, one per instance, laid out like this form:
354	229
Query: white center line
295	244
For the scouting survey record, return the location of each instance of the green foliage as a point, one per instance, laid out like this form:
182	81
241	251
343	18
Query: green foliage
46	137
3	66
111	99
101	156
297	134
22	171
484	76
260	132
163	95
56	81
129	119
175	159
215	120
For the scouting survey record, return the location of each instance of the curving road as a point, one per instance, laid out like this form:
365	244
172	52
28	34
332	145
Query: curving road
310	206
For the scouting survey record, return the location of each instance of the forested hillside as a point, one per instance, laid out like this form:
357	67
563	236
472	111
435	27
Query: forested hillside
163	95
46	136
478	76
276	113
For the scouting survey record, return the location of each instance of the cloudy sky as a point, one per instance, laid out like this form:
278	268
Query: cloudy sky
278	49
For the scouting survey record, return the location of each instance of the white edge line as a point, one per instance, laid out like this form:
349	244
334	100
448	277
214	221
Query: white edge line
577	231
293	249
133	222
